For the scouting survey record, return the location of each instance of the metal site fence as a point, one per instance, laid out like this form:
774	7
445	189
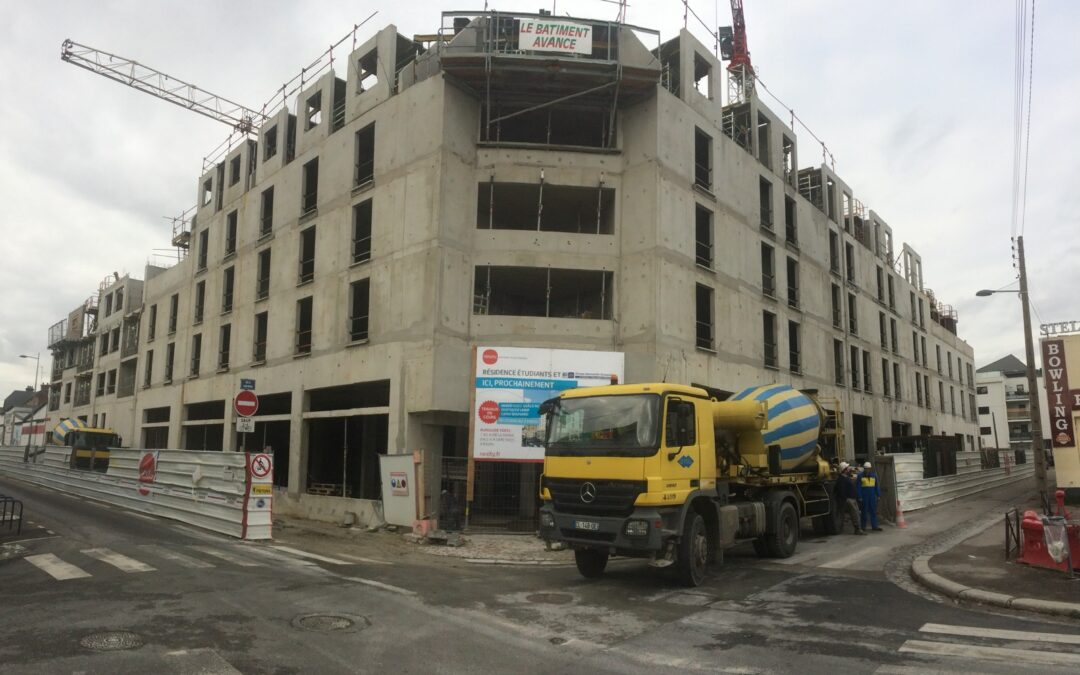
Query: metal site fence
505	497
11	511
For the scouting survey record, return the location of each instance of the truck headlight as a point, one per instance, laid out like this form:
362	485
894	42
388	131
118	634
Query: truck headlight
637	528
546	519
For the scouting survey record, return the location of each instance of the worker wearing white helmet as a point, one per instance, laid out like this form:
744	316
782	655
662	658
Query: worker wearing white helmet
869	491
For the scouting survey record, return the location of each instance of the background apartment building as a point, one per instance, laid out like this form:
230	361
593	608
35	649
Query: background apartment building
1004	404
432	199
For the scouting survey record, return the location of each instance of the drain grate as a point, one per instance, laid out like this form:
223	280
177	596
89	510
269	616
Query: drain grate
112	641
329	623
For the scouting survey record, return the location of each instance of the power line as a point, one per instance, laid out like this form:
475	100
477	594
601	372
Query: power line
1027	140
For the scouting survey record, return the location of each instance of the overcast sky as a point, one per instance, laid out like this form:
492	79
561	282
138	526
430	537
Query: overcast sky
914	99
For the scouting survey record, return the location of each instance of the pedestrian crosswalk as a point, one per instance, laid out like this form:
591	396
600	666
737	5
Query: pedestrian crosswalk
144	558
961	647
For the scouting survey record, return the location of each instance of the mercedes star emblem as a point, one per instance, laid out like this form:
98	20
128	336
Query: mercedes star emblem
588	492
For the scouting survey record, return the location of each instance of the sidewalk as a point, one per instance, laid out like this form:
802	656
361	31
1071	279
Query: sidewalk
976	570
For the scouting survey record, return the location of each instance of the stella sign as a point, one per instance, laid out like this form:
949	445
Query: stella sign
1059	327
1060	399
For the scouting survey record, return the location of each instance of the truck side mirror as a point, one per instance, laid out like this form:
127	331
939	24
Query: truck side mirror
775	463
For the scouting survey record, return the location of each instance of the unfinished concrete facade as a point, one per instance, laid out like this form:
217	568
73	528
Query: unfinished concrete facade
432	200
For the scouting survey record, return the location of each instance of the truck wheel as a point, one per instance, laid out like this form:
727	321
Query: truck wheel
590	562
693	551
782	542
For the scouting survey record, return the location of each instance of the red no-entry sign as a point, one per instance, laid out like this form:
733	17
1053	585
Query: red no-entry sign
246	403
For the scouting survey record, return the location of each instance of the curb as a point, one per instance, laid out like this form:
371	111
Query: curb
920	570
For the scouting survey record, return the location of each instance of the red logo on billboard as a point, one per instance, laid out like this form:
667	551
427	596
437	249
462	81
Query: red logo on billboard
490	356
489	412
147	472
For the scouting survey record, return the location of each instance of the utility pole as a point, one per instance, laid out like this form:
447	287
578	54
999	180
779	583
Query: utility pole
1033	391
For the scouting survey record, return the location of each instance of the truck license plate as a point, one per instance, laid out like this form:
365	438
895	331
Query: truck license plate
586	525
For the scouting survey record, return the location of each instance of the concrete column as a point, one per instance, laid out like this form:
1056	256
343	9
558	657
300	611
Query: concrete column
298	446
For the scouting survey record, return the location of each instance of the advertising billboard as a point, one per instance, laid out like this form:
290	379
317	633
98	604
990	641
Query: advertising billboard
510	385
554	35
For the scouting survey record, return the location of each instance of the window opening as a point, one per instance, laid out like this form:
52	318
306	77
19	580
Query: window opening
266	212
545	207
230	233
791	228
207	192
200	297
227	281
307	255
703	80
703	236
224	340
768	323
262	279
361	239
543	292
765	203
170	354
793	283
204	245
174	307
365	156
763	149
768	271
359	292
148	370
270	143
310	191
704	316
313	111
794	348
303	325
234	171
196	353
367	71
259	347
702	159
853	316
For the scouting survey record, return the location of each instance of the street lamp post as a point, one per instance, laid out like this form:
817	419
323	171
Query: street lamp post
1033	392
37	364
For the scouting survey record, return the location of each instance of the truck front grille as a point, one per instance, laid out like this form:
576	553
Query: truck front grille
614	498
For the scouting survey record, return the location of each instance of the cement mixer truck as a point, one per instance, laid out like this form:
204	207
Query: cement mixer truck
674	474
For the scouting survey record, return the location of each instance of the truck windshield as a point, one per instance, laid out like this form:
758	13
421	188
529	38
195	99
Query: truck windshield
605	425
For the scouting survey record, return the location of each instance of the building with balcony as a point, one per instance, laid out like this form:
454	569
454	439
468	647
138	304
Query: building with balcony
434	196
1004	405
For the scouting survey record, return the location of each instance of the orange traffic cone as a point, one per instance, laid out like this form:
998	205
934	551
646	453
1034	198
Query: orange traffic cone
900	522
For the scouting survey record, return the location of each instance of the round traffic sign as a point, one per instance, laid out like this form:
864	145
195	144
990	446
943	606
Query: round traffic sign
261	465
246	403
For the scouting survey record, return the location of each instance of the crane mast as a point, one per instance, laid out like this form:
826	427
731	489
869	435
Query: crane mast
740	70
156	83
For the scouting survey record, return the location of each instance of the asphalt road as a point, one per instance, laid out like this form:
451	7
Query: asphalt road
90	588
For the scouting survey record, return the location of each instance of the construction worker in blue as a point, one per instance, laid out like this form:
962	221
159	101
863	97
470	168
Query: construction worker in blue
869	491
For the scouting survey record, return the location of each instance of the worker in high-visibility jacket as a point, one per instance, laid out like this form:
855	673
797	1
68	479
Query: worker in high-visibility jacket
869	491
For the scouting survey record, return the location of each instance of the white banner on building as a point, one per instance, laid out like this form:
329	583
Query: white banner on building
553	35
512	382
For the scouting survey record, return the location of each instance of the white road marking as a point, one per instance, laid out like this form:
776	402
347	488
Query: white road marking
356	558
313	556
55	567
50	532
972	631
228	557
849	560
279	558
118	560
797	559
169	554
1003	654
379	584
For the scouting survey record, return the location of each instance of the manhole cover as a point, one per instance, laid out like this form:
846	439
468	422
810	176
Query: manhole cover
324	622
550	598
111	641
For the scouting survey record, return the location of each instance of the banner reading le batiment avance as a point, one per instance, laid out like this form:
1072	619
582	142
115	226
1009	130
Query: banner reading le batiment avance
512	382
554	35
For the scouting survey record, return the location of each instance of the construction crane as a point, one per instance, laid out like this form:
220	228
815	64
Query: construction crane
156	83
740	70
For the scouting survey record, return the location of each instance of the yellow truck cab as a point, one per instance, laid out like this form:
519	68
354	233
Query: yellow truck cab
90	448
670	473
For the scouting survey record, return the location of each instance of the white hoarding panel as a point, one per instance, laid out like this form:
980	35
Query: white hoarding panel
554	35
512	382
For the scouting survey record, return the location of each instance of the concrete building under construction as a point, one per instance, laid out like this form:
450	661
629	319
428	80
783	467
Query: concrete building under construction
432	196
